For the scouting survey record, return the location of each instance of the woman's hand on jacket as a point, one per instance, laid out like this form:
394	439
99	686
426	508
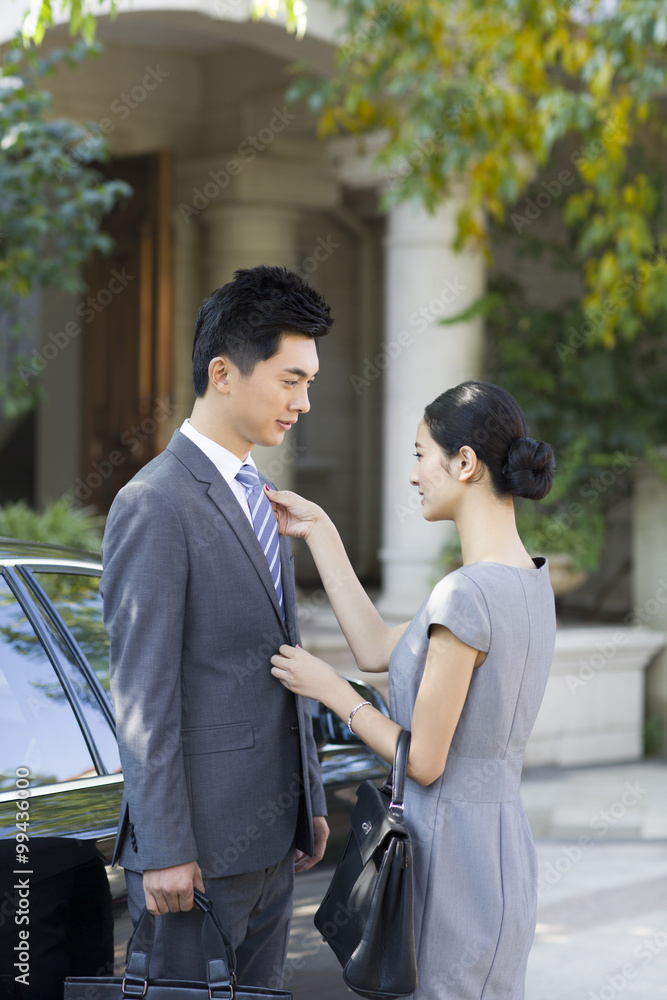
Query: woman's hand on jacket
305	674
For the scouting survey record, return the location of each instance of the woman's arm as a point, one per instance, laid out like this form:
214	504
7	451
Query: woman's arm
369	638
439	703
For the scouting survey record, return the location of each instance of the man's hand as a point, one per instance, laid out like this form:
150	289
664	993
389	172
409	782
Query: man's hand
302	862
168	890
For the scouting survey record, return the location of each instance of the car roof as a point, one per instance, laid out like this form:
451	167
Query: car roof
14	550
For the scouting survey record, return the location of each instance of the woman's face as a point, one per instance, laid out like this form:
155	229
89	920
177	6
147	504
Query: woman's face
437	486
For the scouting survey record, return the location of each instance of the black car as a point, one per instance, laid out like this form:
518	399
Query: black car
60	773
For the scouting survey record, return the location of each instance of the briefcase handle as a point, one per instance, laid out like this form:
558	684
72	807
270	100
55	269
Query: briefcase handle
395	783
219	957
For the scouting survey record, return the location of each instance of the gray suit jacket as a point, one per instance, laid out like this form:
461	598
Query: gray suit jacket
219	759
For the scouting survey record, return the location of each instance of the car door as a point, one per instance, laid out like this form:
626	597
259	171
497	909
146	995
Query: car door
57	720
58	754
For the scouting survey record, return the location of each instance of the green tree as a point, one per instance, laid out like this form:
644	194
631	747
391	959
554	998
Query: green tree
476	93
479	97
52	203
599	408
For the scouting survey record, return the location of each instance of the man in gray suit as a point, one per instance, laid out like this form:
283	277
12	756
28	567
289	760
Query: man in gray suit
223	790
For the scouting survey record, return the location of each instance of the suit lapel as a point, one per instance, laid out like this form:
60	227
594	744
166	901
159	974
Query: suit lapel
204	471
230	509
289	594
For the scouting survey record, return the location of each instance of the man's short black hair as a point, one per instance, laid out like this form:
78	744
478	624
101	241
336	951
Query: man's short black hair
246	318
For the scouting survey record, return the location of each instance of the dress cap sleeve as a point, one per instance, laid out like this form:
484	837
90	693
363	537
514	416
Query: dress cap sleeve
458	603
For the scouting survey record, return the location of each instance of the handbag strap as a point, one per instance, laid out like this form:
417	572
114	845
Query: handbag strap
218	953
399	770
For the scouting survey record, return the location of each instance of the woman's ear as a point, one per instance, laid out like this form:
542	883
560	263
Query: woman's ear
468	463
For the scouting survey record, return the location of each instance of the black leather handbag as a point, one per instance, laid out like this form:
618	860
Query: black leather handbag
367	914
218	955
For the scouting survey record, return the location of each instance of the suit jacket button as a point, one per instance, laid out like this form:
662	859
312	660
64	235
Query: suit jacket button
294	728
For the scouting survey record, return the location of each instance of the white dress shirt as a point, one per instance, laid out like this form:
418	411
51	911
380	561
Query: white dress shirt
225	462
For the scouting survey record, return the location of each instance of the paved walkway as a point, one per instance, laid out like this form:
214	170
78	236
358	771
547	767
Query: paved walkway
601	835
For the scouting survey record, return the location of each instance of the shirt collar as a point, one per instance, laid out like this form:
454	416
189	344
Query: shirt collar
225	461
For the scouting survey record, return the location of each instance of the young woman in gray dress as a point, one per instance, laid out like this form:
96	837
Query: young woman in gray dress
467	676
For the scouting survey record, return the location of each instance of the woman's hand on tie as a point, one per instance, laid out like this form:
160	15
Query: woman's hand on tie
296	516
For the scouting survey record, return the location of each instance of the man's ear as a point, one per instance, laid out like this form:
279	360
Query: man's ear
468	463
218	374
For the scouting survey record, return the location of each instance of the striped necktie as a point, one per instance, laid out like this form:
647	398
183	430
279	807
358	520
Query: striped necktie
264	523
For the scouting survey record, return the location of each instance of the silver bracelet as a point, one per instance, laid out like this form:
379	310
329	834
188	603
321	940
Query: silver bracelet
352	713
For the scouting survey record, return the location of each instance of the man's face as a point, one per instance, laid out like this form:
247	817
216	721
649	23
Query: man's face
262	407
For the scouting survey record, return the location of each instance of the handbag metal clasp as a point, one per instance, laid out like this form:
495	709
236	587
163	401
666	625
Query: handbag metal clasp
142	994
366	826
397	806
231	993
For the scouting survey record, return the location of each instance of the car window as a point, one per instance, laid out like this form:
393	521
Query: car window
77	599
38	729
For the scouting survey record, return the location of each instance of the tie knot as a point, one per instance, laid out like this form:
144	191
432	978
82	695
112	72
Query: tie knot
248	476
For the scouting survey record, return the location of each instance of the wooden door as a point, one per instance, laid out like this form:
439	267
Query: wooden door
126	314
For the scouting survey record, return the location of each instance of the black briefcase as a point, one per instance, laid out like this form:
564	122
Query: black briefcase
218	955
367	914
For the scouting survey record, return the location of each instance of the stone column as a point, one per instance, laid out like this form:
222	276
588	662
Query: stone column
242	235
425	281
649	574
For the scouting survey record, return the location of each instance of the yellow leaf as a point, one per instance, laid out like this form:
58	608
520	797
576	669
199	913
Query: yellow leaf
601	81
608	272
630	194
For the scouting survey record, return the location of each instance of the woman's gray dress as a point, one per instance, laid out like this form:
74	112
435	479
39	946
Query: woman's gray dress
474	859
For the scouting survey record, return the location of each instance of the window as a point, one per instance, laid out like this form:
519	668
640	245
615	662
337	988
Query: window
76	598
38	728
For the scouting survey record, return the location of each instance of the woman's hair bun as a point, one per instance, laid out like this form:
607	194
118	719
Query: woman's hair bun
529	469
